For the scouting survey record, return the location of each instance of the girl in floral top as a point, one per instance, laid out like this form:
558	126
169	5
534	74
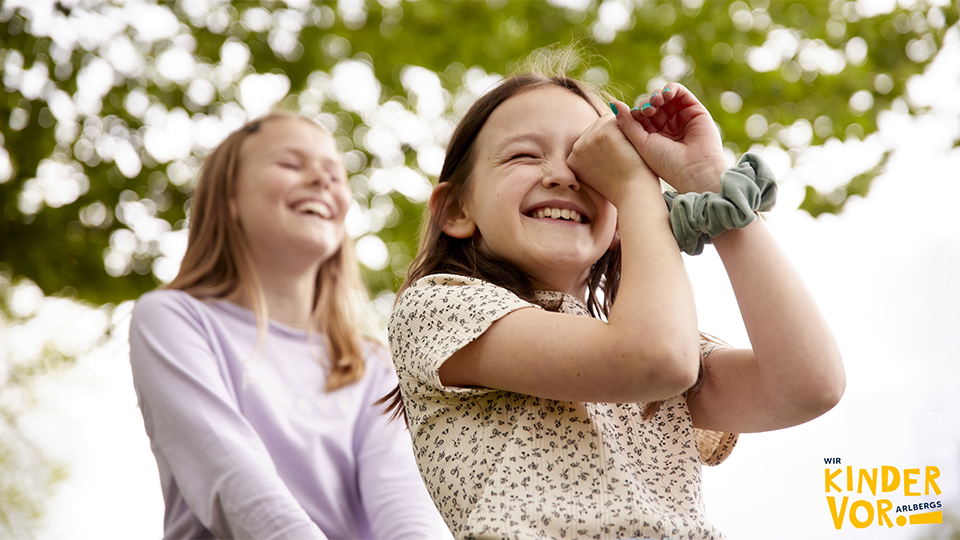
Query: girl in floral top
551	371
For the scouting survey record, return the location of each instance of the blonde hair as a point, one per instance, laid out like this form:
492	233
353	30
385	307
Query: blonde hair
217	263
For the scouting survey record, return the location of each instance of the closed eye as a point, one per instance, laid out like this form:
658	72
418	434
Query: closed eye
523	156
289	165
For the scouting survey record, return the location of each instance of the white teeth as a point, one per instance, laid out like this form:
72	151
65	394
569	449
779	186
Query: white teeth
557	213
314	207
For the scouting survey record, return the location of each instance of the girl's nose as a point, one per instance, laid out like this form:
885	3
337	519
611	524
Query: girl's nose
318	176
560	175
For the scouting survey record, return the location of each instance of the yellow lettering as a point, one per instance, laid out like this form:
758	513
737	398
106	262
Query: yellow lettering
871	481
927	518
931	474
884	506
894	482
908	481
853	514
837	516
829	480
849	478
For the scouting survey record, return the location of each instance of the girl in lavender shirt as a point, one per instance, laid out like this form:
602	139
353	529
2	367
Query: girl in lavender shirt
256	386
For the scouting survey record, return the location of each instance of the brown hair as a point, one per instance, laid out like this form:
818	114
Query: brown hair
217	262
440	253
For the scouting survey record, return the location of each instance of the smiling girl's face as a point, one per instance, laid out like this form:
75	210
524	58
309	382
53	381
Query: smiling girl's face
291	195
528	206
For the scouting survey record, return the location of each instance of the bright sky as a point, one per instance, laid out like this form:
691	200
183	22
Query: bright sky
884	273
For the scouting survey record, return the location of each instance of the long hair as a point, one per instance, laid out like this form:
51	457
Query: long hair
218	264
441	253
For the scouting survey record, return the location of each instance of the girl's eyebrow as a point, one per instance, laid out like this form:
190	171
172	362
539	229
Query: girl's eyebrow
291	149
285	150
537	138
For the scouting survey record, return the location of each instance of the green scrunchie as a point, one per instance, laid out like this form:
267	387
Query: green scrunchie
744	189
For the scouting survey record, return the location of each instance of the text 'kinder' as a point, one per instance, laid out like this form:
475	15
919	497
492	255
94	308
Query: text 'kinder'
889	479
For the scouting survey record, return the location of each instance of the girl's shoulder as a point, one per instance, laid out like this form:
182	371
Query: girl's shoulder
165	296
160	301
456	293
451	287
175	310
453	280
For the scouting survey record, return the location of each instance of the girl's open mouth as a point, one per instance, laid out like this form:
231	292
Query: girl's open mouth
562	214
313	207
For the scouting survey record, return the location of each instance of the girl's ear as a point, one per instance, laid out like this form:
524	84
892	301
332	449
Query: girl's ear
455	218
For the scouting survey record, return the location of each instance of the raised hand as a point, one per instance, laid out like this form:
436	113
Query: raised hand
676	136
605	159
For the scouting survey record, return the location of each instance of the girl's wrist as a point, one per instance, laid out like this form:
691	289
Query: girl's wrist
696	218
703	180
732	237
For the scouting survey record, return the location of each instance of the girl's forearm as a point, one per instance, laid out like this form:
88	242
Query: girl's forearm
798	361
655	305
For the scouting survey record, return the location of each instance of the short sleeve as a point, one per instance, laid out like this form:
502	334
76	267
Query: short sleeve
714	446
439	315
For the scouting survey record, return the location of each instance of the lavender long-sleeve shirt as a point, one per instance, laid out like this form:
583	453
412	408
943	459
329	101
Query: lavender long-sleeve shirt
250	445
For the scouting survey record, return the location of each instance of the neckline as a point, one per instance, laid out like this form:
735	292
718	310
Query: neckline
558	298
543	297
250	317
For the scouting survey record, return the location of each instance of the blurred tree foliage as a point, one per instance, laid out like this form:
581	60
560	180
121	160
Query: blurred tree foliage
108	107
87	85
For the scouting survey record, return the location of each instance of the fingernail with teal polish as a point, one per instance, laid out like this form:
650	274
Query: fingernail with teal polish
645	106
614	108
635	109
666	89
653	94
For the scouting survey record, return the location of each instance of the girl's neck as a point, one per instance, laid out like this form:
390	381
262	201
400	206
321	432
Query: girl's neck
576	288
288	294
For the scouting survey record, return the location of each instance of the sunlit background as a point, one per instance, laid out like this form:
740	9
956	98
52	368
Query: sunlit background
107	108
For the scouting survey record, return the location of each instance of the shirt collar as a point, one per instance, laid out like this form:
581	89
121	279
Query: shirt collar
562	302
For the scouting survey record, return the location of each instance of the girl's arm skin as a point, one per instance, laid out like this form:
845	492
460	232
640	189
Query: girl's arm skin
794	372
648	350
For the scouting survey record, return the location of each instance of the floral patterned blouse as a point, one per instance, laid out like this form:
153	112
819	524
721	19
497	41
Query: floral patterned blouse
506	465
